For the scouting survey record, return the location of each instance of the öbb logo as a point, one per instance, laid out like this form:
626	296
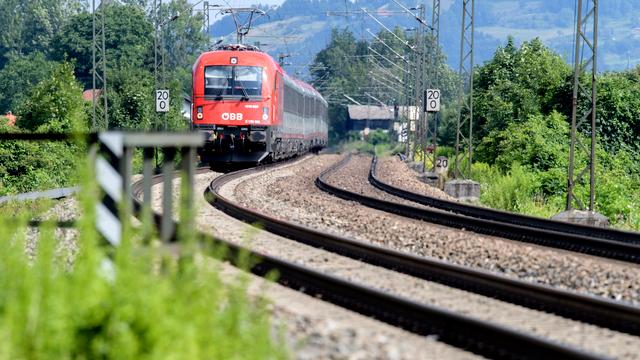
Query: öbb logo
232	116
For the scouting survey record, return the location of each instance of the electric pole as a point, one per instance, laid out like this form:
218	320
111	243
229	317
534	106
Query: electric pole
100	113
418	89
584	97
158	56
435	75
465	92
207	21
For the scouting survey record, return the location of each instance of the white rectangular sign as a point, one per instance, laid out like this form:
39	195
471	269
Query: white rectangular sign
432	100
162	100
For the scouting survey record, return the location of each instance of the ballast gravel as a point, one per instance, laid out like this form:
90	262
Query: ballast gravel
67	246
331	332
590	338
313	329
394	171
291	194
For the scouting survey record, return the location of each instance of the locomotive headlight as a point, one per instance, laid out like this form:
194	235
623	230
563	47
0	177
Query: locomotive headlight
200	115
265	113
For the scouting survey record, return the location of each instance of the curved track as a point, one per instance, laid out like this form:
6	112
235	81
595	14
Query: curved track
483	338
503	216
618	250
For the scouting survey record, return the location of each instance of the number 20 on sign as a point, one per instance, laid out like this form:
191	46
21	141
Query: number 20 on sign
432	100
162	100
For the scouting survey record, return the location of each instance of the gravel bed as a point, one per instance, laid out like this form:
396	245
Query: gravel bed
63	210
583	273
578	334
313	329
395	172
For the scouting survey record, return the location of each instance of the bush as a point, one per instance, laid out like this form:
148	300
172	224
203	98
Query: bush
378	137
54	105
147	305
516	191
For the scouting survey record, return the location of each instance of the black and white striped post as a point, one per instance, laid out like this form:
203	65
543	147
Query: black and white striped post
111	171
114	171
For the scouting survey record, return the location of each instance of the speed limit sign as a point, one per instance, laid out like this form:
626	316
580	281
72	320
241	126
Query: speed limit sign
432	100
162	100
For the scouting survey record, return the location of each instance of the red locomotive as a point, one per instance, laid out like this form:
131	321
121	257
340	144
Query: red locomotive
252	110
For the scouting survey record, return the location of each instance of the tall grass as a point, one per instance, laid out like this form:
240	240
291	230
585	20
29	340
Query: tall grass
516	191
133	302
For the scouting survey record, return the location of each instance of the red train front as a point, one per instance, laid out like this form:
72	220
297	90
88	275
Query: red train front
252	110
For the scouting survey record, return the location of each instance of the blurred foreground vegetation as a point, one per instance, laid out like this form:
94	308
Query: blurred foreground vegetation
139	301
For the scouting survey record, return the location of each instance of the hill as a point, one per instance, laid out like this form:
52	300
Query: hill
302	27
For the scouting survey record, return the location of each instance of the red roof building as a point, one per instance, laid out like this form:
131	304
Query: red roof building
11	119
87	95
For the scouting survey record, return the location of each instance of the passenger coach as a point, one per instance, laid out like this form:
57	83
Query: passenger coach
252	110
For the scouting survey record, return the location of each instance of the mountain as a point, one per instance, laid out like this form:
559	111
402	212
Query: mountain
302	27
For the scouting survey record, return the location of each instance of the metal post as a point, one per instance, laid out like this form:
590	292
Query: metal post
166	229
147	172
189	170
99	67
423	81
126	169
586	43
407	111
158	54
465	101
207	21
435	32
418	92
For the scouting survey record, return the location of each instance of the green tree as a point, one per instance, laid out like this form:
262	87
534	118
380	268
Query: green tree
128	40
19	76
618	114
29	26
55	104
517	83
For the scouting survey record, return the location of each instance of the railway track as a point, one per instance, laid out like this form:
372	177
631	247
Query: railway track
503	216
457	330
623	250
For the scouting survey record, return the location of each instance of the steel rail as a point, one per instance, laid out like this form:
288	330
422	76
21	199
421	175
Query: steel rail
53	194
628	252
503	216
595	310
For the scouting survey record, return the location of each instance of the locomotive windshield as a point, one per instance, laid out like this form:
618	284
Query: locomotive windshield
241	81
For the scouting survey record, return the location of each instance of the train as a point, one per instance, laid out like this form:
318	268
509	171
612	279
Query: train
251	110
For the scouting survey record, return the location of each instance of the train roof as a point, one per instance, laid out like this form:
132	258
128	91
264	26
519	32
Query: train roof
254	53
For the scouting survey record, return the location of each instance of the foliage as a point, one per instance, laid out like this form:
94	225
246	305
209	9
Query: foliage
515	191
55	104
515	84
18	78
131	99
378	137
539	143
523	105
183	36
29	26
619	109
146	304
128	41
